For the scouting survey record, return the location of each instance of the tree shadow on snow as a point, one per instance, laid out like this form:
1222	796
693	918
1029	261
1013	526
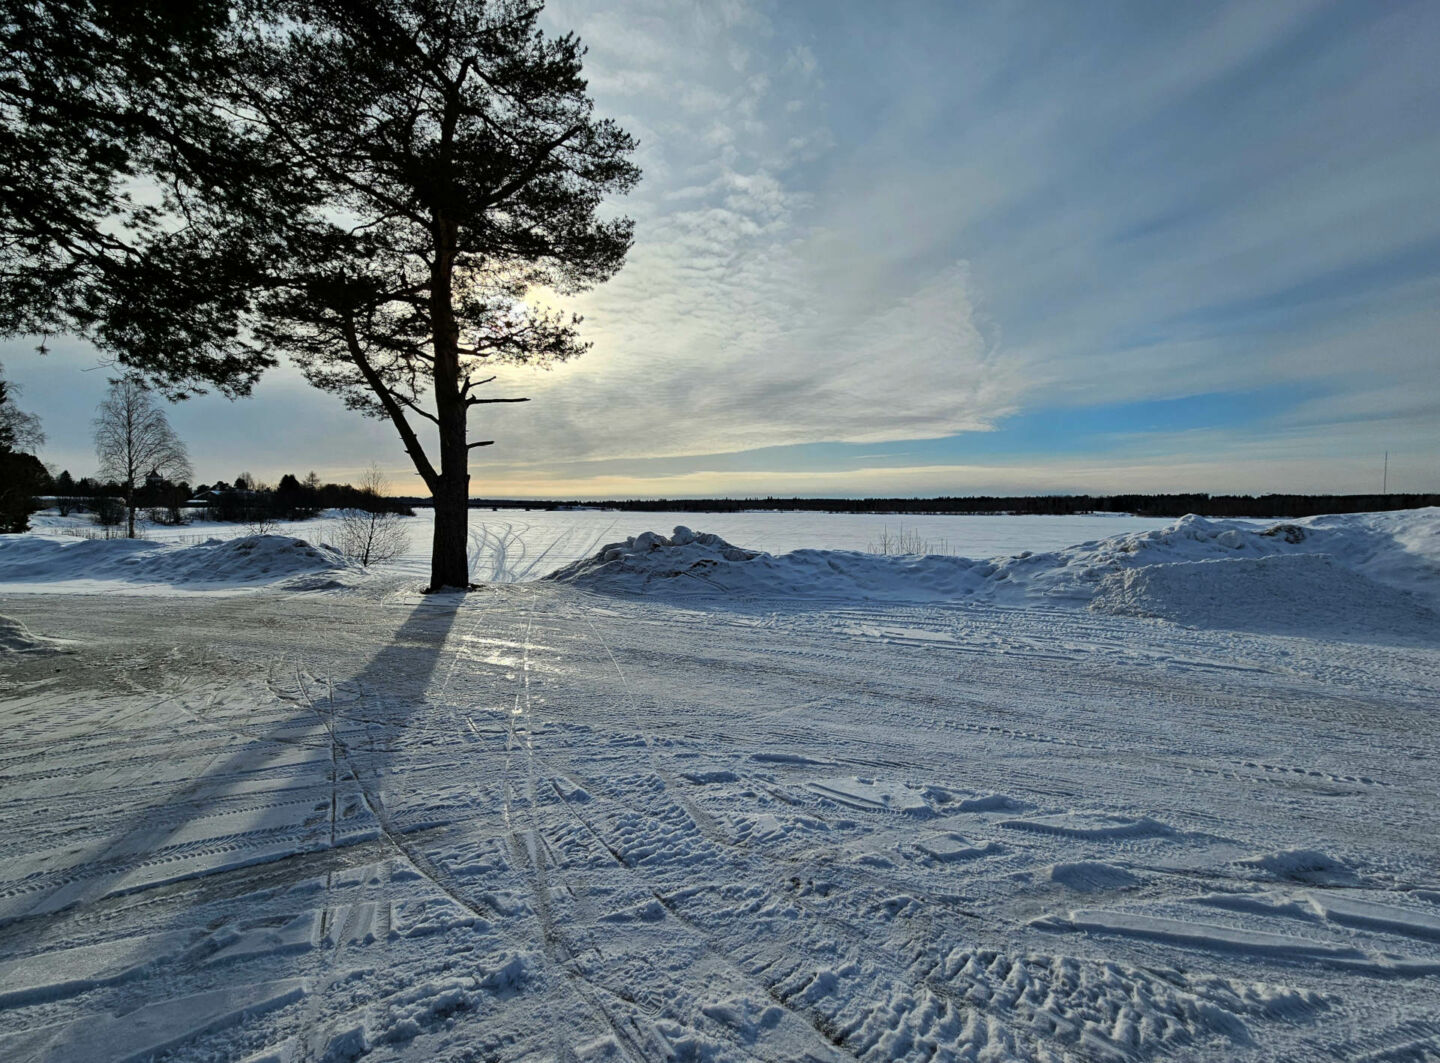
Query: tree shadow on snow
219	835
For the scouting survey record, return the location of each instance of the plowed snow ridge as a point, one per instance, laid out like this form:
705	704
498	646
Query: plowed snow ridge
252	560
1365	574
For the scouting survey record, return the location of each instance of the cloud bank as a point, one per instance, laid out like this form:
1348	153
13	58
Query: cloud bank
945	230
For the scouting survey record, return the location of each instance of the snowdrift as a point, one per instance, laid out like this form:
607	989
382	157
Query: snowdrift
252	561
1308	592
698	563
15	637
1350	575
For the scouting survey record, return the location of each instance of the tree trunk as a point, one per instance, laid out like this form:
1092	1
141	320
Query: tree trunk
449	565
130	511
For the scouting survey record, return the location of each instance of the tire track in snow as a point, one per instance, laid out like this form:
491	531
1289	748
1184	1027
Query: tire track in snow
534	850
710	831
1063	1032
573	976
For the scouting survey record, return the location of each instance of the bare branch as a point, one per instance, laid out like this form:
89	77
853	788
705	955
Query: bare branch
413	405
486	402
393	409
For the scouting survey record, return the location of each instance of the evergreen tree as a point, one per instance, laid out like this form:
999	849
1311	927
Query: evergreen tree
372	186
97	99
22	476
459	145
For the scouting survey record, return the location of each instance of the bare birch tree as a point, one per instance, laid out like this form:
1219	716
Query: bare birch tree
133	439
375	534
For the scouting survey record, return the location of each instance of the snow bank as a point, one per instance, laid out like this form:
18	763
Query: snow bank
252	561
15	637
696	563
1399	549
1350	575
1306	592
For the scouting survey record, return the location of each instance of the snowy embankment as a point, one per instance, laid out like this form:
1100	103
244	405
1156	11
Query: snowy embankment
31	562
1362	574
15	637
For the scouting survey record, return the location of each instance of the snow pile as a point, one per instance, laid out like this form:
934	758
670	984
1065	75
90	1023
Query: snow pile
1351	575
1309	592
1398	549
1303	865
15	637
694	563
255	560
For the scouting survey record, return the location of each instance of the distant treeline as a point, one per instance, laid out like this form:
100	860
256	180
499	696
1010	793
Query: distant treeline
290	499
245	500
1177	505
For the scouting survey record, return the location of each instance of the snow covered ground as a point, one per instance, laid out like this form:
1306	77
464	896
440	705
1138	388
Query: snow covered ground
1169	794
510	545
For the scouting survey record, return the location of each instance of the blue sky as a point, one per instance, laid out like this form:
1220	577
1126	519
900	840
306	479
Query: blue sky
962	248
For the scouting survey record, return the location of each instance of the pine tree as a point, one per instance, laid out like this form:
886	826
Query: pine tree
22	476
395	178
99	97
460	146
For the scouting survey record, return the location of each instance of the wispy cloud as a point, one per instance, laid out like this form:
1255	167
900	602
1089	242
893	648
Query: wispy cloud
863	224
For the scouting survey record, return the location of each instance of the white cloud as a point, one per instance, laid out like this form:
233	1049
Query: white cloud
908	224
727	329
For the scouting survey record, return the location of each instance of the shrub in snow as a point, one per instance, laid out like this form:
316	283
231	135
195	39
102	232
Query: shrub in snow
109	511
370	538
905	543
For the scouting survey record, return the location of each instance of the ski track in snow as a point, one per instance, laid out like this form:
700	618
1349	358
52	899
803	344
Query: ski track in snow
544	823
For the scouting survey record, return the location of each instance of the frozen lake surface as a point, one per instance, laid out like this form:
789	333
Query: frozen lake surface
511	545
559	537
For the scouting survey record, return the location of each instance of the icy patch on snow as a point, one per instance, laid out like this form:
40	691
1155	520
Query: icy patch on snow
1349	575
1091	826
1375	915
153	1029
871	795
69	972
1197	934
951	847
252	561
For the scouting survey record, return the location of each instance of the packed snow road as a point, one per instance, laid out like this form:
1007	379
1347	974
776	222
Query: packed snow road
544	823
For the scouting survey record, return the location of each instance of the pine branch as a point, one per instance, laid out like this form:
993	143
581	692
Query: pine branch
393	409
415	406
